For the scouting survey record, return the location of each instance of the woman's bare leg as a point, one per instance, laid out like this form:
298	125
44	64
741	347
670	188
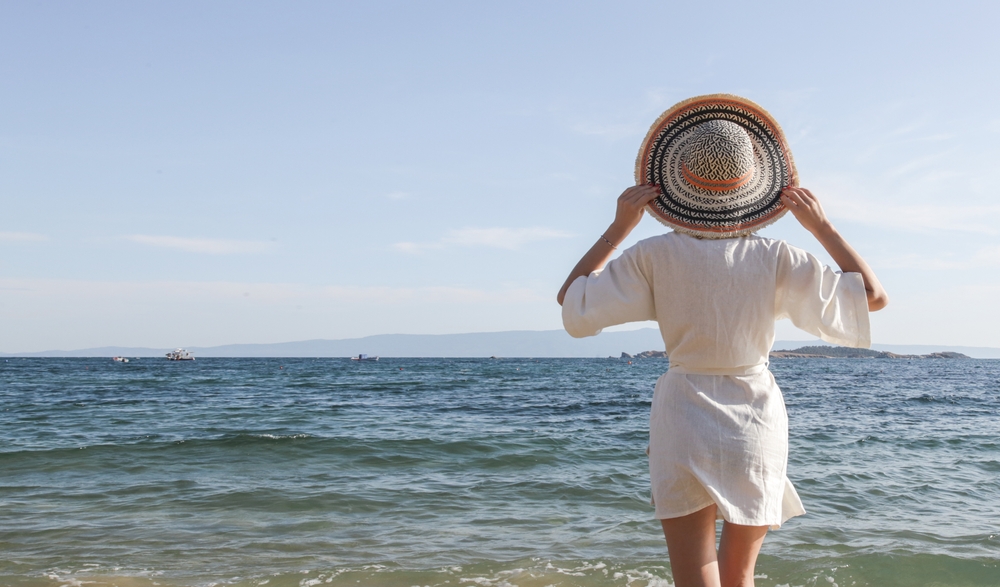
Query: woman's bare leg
691	544
738	549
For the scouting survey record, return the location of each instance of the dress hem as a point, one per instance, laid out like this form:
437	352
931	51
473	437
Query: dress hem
720	515
686	512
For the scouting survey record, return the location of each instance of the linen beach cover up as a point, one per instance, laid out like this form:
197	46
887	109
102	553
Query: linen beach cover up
718	426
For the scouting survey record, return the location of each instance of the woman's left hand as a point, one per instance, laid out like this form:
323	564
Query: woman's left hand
631	204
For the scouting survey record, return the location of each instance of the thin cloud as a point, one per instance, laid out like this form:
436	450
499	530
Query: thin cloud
396	295
920	218
502	238
270	293
498	238
608	131
211	246
908	206
921	165
22	237
984	258
414	248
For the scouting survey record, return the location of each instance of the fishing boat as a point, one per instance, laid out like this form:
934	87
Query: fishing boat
179	355
119	359
364	357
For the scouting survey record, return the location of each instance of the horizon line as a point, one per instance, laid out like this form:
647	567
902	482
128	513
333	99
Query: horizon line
158	350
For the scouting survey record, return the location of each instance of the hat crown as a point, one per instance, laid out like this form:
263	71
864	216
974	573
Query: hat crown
719	156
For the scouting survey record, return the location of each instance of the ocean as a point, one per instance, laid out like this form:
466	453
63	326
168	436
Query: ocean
468	473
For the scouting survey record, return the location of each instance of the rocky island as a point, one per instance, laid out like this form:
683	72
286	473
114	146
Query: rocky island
822	352
646	355
837	352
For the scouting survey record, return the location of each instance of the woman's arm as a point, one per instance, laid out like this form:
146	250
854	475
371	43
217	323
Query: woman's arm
630	207
810	214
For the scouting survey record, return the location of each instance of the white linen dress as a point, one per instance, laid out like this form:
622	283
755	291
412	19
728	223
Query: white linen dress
718	428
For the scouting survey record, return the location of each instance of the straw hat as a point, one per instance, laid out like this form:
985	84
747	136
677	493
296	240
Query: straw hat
721	162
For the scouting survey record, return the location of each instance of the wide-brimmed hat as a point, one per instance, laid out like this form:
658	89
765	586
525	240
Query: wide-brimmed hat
721	162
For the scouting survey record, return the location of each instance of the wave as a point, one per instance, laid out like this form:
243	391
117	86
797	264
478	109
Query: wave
152	442
883	570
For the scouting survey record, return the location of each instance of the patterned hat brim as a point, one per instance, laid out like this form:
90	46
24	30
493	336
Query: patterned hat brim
678	205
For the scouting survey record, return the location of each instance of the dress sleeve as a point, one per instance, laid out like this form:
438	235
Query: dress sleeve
617	294
823	302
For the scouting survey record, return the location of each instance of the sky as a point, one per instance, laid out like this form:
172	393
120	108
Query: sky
204	173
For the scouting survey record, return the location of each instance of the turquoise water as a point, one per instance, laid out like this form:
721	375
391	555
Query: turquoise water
467	472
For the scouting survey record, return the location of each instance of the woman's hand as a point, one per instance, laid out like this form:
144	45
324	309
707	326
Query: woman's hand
806	208
631	204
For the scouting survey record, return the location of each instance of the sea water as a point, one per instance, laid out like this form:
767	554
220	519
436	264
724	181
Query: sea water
466	473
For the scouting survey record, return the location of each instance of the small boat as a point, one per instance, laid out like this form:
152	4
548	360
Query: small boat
179	355
364	357
119	359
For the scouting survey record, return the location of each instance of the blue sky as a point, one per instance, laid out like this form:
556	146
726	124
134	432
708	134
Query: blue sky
192	173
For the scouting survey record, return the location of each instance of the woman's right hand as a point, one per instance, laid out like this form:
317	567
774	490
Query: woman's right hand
631	204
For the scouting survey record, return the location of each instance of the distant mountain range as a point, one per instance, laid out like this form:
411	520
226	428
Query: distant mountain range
515	343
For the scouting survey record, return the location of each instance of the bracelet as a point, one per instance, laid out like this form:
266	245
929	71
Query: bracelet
610	244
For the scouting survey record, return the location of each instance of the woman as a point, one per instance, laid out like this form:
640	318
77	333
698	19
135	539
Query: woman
715	169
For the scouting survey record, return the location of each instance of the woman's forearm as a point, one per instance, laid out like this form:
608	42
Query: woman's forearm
809	212
593	259
850	261
628	214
